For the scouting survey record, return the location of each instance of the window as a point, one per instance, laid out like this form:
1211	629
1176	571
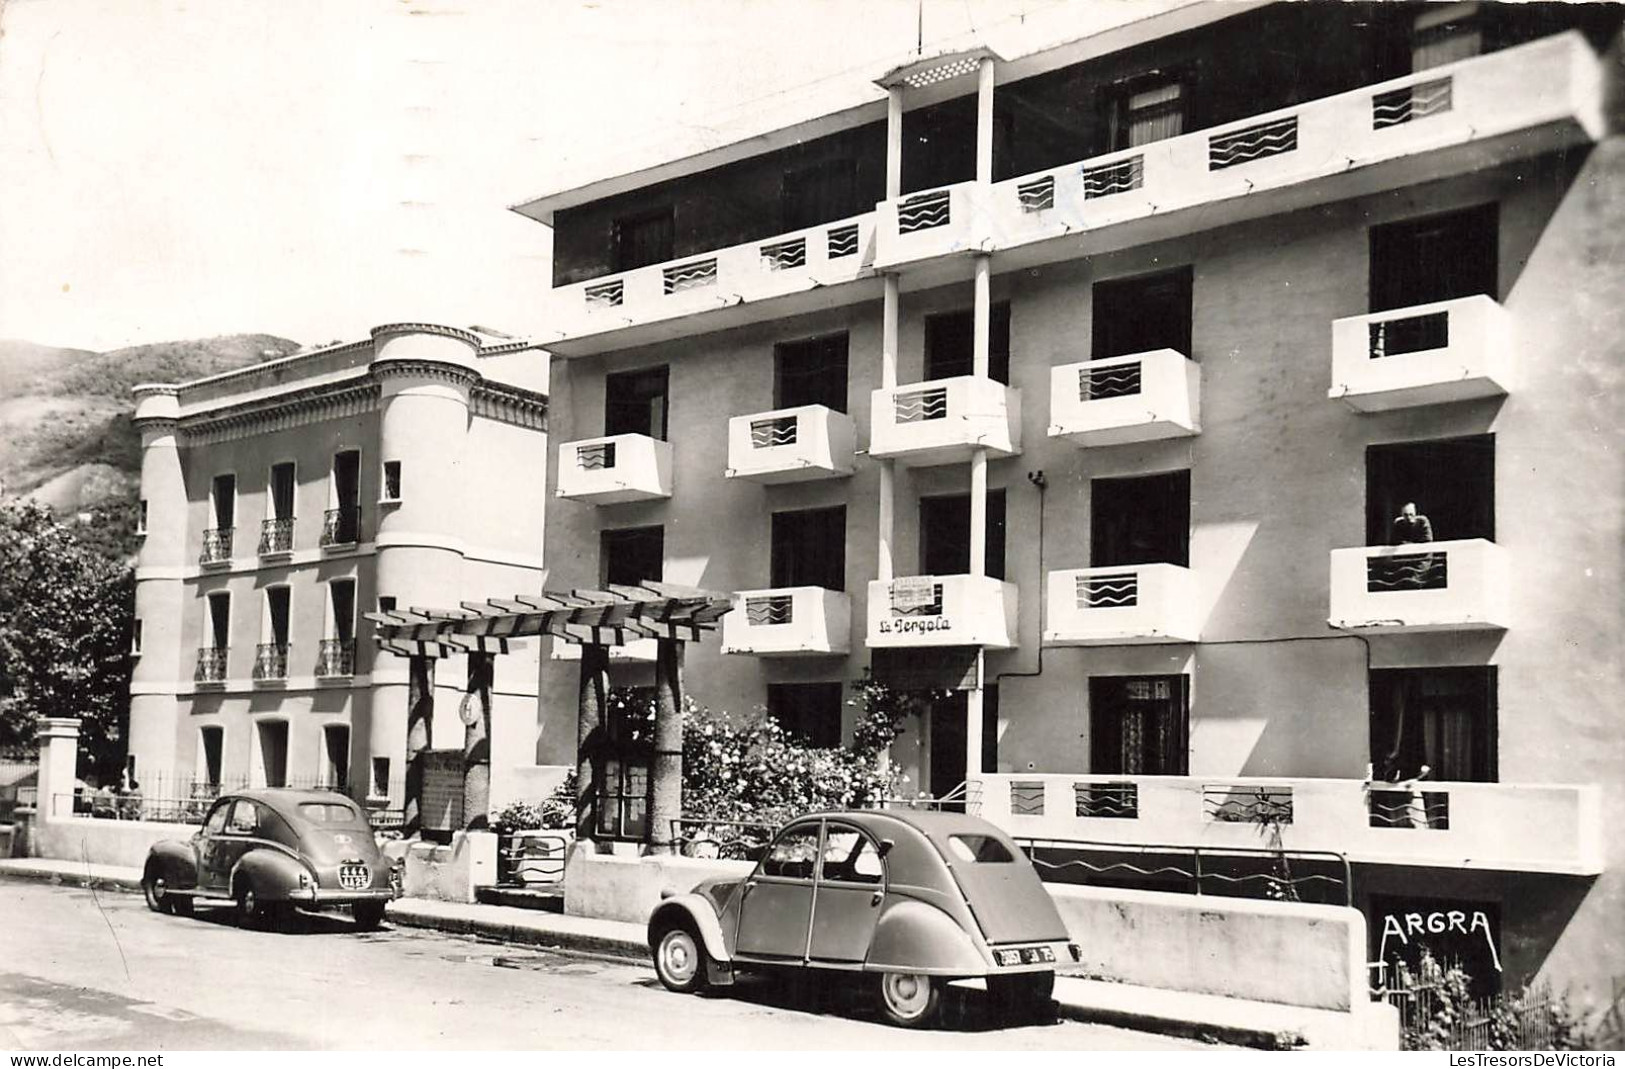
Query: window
281	486
336	756
217	632
950	339
1450	481
1445	33
850	857
809	548
141	517
979	849
1142	314
392	480
636	402
1437	258
341	603
945	534
821	193
331	813
211	754
1148	107
643	239
810	712
1440	718
811	372
244	820
276	615
135	635
793	854
1144	519
622	790
380	778
216	823
343	521
223	497
1139	725
629	555
272	770
386	603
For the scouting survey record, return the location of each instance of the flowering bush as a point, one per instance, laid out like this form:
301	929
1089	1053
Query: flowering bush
557	810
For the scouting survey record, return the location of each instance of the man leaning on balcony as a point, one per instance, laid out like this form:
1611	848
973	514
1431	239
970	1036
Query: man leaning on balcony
1411	526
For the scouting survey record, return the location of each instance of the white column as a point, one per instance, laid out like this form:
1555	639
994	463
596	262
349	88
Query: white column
984	120
982	360
160	597
894	142
58	765
886	521
973	719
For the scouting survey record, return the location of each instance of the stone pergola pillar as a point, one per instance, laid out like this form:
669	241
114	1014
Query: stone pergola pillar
590	712
58	766
476	717
419	732
666	771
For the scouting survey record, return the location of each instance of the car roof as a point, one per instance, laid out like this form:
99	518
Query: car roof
929	822
286	800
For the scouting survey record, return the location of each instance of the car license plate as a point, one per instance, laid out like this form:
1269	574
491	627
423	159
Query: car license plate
354	877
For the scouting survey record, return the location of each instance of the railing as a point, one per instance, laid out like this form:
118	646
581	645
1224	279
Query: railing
1116	590
1110	801
271	660
341	526
216	545
924	211
211	665
1037	195
1433	353
789	622
1248	804
613	469
689	276
595	456
966	797
773	431
916	406
1236	147
1402	105
1407	571
1408	808
720	838
842	241
1113	380
1231	872
276	536
1413	334
336	657
770	610
1118	176
785	255
609	294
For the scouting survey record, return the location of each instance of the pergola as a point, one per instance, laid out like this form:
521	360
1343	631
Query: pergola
595	620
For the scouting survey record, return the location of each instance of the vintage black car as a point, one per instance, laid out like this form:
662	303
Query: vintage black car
269	852
905	901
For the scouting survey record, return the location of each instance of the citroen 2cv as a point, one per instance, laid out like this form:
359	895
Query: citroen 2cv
903	901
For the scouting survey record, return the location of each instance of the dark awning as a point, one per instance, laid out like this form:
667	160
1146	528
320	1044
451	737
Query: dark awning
943	668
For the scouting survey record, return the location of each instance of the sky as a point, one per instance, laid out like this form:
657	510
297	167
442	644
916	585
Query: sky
310	168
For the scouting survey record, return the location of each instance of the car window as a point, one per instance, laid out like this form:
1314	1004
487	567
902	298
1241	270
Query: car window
850	857
331	813
793	854
277	829
244	820
979	849
217	819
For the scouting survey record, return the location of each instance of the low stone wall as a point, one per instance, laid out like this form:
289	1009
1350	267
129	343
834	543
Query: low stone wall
1285	952
101	842
448	873
621	888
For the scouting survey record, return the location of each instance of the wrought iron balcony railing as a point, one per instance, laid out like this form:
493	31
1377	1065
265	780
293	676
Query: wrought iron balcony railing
336	658
211	665
342	526
271	661
276	536
216	545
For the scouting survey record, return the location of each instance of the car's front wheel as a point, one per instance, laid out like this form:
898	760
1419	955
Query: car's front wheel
680	959
909	1000
368	915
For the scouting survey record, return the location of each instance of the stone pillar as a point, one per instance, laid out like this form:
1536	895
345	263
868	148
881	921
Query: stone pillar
58	765
160	600
419	732
476	717
666	772
590	712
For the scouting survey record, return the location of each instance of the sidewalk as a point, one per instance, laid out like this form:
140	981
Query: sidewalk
1223	1020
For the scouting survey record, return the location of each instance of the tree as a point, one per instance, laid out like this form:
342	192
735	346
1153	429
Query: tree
65	623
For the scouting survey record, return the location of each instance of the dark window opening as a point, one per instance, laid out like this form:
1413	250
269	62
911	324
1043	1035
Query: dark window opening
810	712
945	534
336	756
225	502
811	372
341	596
821	193
347	479
282	491
1139	725
276	604
392	480
135	635
809	548
629	555
948	715
1144	519
643	239
380	778
1137	111
1450	481
1443	719
1437	258
220	619
1141	314
273	736
1454	931
636	402
950	344
622	787
939	144
1445	33
386	603
213	741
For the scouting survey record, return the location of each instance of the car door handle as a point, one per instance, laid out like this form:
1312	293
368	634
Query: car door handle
876	898
745	891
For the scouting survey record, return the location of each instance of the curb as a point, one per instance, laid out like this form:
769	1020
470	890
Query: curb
519	934
1201	1031
69	879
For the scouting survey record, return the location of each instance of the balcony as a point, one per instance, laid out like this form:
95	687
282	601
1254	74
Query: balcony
942	610
1517	103
788	622
1426	355
781	276
1425	586
336	658
1138	398
1119	606
271	662
920	227
211	665
341	527
791	445
613	470
1550	828
216	546
276	537
945	421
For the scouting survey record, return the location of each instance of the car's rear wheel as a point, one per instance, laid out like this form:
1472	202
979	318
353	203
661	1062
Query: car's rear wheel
909	1000
250	910
156	891
368	915
680	959
1023	997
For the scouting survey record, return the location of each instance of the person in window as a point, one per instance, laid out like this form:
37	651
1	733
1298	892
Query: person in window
1411	526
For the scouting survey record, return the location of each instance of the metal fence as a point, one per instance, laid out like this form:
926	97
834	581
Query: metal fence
1434	1015
1234	872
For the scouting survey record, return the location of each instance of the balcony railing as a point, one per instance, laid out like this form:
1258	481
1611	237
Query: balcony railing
609	471
1500	826
341	526
790	621
1130	604
791	445
941	222
1428	354
276	536
335	658
1138	398
216	545
944	421
211	665
1426	586
942	610
271	660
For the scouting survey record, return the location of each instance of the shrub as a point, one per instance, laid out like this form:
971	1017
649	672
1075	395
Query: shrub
557	810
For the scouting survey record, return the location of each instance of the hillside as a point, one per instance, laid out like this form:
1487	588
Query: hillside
65	432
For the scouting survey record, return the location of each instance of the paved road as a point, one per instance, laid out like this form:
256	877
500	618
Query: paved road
86	971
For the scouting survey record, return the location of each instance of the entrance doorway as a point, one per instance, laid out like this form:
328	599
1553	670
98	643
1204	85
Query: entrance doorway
945	769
